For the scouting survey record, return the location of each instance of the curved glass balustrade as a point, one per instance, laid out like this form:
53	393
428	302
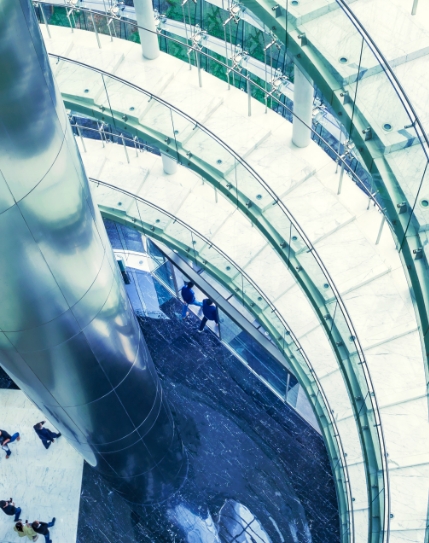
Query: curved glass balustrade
259	72
352	76
360	83
392	151
103	96
156	223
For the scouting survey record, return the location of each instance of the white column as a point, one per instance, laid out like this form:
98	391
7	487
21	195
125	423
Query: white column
145	19
169	164
302	107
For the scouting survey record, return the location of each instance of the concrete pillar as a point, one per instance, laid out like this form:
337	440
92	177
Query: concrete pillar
302	107
68	336
169	164
145	19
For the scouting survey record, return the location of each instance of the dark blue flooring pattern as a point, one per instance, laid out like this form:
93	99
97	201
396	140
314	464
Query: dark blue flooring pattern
257	472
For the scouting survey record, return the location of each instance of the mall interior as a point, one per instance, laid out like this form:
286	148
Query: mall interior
269	159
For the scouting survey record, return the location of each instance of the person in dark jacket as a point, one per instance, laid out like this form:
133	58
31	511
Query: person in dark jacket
209	312
8	507
5	439
43	528
188	296
45	435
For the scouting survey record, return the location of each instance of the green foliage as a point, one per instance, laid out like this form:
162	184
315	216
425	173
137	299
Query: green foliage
59	17
178	50
135	37
258	93
215	68
174	10
254	40
255	43
213	21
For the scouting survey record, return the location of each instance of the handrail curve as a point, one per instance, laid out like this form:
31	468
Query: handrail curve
353	335
287	328
371	396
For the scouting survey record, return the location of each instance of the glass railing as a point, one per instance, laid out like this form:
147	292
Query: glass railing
103	96
239	339
253	60
156	223
380	120
362	57
380	115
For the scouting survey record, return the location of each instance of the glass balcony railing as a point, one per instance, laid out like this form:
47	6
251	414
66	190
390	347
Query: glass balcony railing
253	60
248	342
128	107
160	225
379	118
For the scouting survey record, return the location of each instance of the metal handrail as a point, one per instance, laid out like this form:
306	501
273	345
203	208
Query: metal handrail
287	328
406	102
402	95
311	248
132	142
340	159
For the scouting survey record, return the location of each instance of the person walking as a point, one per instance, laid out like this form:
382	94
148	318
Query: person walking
8	507
5	439
43	528
188	296
45	435
210	313
25	530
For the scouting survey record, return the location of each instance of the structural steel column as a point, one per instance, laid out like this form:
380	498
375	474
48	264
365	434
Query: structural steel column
302	107
146	19
68	336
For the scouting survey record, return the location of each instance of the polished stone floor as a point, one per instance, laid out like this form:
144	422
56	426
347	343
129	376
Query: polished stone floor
257	472
44	483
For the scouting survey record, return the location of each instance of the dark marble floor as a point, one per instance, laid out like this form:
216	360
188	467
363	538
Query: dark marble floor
257	472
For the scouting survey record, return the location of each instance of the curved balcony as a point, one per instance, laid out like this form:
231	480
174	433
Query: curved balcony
362	86
133	210
221	177
114	174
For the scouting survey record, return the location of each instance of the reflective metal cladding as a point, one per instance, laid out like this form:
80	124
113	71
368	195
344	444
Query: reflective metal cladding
68	336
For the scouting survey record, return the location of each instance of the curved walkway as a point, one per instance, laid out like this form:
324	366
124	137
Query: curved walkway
110	170
328	42
335	230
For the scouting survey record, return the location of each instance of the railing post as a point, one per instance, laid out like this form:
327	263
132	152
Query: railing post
383	220
414	10
101	131
44	19
197	55
249	97
340	184
339	154
125	149
80	135
135	145
96	31
68	12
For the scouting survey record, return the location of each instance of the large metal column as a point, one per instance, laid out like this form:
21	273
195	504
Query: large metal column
145	19
302	108
68	336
